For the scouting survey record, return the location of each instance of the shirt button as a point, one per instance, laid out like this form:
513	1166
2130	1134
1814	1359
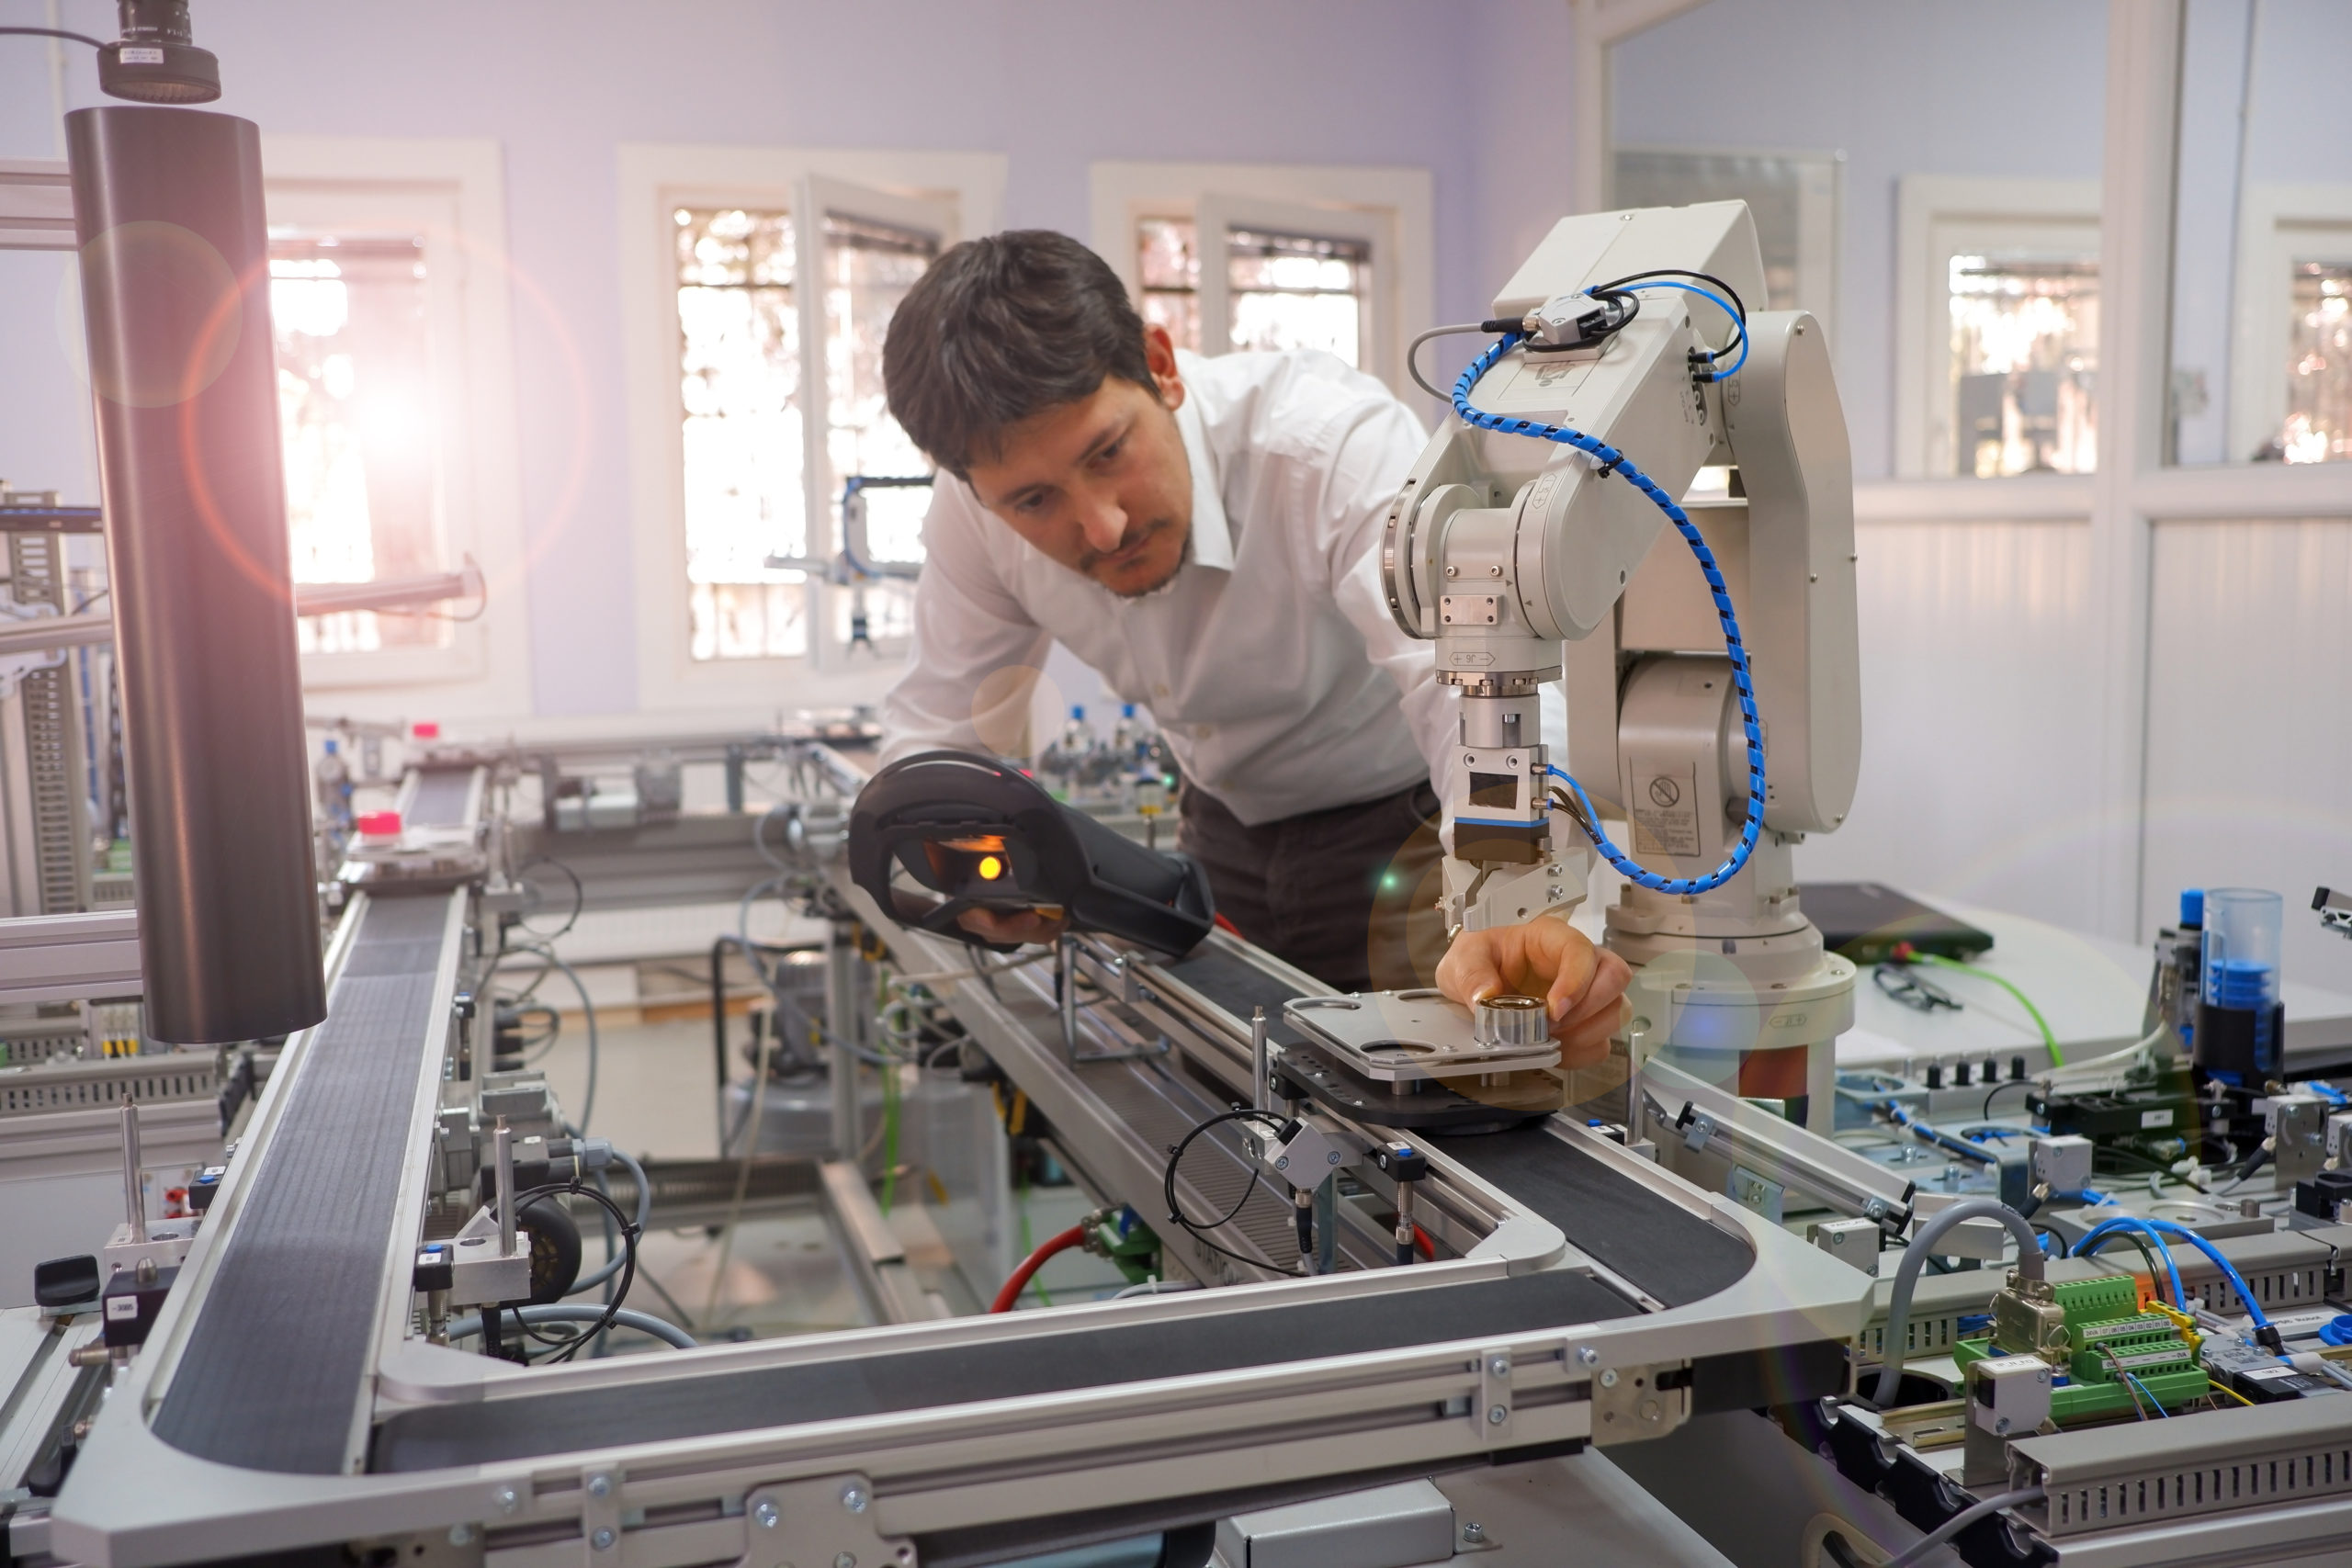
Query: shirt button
1202	731
1159	691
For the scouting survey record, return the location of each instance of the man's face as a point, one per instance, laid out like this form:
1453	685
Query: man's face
1101	485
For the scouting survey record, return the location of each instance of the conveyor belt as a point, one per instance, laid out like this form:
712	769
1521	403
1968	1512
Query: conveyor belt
1021	1364
1234	984
441	795
1156	1111
1662	1249
1623	1226
276	1374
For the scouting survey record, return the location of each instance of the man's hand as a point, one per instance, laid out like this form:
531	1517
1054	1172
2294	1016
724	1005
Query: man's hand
1584	986
1012	927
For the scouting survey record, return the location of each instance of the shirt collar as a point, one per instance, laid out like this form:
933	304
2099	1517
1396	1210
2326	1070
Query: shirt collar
1212	541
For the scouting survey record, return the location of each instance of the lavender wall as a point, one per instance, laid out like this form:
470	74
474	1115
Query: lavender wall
1996	88
1053	85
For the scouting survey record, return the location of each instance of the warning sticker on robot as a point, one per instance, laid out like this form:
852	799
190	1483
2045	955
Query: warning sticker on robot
1666	813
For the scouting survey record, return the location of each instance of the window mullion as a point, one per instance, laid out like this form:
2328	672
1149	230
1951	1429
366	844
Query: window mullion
2136	202
816	402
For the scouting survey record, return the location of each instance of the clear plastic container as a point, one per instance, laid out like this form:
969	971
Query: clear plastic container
2241	930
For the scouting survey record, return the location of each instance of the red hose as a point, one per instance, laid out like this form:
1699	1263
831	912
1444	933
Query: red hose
1074	1236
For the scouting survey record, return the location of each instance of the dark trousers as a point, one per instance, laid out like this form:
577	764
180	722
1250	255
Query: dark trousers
1350	894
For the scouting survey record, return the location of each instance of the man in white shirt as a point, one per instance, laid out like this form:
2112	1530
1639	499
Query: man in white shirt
1201	532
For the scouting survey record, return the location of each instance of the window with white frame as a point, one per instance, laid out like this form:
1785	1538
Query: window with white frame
1997	308
739	384
1236	256
396	421
2318	426
2024	355
2291	399
1285	290
760	284
740	405
358	426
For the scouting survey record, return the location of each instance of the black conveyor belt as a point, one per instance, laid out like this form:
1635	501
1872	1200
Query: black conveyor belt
1020	1363
1234	984
440	800
1621	1225
276	1375
1661	1248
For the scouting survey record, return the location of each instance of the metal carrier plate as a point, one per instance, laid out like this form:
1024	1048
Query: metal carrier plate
1409	1036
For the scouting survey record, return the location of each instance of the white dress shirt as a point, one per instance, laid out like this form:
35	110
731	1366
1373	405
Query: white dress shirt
1270	659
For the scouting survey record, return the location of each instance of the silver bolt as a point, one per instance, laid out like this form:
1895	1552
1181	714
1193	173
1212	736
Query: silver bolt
847	1560
2002	1424
854	1498
1473	1534
1332	1158
766	1516
1609	1377
1588	1355
1499	1366
1283	1163
460	1534
600	1485
602	1539
507	1499
1497	1415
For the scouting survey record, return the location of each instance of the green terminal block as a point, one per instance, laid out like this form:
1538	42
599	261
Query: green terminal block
1127	1242
2117	1357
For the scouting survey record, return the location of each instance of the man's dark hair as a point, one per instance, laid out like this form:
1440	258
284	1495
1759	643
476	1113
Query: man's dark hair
1003	328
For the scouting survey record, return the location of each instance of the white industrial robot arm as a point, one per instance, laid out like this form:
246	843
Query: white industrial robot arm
1529	543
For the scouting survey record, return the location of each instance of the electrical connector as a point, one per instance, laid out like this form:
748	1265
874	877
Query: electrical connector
1576	321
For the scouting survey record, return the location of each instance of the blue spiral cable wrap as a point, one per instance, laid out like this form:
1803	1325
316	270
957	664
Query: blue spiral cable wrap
1613	461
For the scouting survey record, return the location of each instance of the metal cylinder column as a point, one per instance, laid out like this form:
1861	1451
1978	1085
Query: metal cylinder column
174	273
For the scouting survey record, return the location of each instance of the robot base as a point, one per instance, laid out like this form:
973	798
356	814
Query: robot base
1770	1036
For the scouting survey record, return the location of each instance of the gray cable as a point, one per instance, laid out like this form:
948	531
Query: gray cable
588	1008
1412	356
627	1317
612	1265
1915	1258
1952	1527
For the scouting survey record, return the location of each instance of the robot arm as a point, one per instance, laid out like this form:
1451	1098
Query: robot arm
1501	548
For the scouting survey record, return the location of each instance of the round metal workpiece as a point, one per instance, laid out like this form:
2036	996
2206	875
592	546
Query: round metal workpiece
1512	1021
